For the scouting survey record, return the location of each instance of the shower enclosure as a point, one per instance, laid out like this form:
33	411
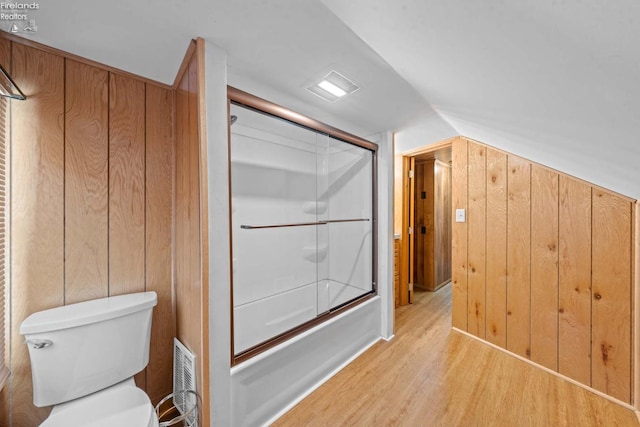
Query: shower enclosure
303	222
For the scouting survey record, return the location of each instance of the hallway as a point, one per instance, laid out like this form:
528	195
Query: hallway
429	375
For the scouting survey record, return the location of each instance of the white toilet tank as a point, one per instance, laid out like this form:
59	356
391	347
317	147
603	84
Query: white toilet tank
81	348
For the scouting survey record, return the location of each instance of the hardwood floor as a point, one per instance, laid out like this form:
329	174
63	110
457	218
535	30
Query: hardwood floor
430	375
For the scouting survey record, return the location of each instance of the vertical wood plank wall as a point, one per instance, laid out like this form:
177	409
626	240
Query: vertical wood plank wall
496	282
191	298
37	213
424	220
611	294
432	236
396	272
86	171
92	168
574	280
442	207
476	240
459	241
543	266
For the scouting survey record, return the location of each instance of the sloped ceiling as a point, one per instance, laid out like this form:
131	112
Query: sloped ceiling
555	81
552	80
282	45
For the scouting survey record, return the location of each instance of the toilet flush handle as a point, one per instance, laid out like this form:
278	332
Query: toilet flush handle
38	344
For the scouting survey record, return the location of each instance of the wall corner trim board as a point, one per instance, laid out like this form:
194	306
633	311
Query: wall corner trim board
190	220
558	260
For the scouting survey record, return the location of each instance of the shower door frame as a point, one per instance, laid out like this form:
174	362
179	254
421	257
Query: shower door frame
244	99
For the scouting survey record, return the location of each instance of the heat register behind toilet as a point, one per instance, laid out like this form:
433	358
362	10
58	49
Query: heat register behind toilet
184	382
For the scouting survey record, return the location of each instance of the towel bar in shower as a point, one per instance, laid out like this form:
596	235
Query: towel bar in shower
301	224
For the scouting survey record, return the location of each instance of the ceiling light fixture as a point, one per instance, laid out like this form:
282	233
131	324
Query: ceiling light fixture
333	86
333	89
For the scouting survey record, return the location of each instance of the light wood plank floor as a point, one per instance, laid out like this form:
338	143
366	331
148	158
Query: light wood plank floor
429	375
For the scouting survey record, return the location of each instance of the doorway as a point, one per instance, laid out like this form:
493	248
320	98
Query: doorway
424	241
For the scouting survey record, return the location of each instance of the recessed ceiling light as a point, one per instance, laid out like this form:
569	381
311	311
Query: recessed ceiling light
333	87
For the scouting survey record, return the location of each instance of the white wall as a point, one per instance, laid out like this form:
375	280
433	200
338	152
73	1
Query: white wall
429	129
385	232
350	334
219	250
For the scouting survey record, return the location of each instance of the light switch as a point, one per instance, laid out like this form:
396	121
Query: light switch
461	215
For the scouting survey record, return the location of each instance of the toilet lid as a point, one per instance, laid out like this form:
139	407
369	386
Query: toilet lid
115	406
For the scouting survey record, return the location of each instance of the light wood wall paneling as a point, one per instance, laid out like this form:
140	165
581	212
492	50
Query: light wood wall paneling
188	255
205	414
37	223
477	233
397	192
519	256
544	267
159	210
574	283
424	217
86	182
635	309
568	271
496	318
419	221
459	236
611	298
190	293
182	195
62	225
412	246
396	275
194	218
405	238
126	185
126	189
442	229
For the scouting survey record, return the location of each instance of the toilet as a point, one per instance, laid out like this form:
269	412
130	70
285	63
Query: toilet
83	359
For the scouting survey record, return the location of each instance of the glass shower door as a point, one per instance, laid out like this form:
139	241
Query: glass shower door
349	222
273	167
302	225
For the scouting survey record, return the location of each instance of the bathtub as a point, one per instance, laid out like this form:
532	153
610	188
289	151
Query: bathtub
261	320
266	386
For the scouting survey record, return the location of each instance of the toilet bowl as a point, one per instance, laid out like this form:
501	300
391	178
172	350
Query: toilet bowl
83	359
123	404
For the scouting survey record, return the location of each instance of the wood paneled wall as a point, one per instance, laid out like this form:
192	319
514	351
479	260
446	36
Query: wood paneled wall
543	266
190	210
396	272
432	234
91	199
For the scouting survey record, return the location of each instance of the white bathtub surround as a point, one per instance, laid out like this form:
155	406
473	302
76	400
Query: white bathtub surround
292	261
269	384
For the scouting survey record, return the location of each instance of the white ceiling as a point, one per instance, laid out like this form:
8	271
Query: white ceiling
552	80
556	81
286	45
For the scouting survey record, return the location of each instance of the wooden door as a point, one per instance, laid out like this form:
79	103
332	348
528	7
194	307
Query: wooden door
424	236
407	247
